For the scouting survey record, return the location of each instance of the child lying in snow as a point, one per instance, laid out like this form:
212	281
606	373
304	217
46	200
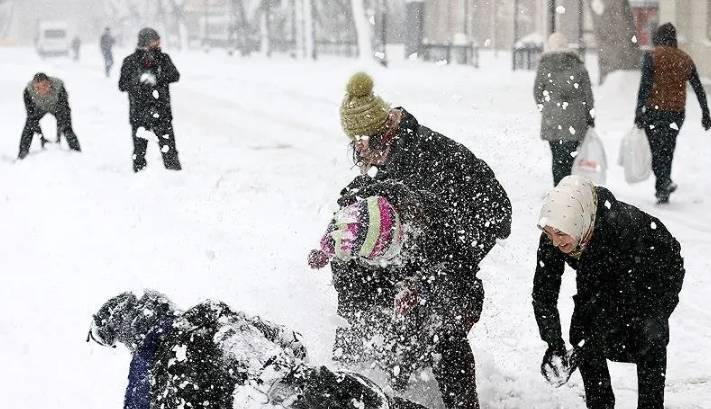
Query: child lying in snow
213	357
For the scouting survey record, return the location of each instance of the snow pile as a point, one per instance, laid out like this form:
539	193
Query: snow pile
264	158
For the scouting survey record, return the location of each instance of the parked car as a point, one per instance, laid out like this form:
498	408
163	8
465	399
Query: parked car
52	38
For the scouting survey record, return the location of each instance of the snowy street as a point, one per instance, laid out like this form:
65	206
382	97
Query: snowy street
264	158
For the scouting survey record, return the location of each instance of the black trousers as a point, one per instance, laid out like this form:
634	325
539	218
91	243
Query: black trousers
434	333
108	62
166	142
662	128
455	372
562	158
651	358
32	127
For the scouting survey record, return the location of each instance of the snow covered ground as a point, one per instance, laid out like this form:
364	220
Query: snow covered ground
264	158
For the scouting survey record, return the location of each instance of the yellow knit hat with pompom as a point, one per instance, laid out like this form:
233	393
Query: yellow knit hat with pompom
362	113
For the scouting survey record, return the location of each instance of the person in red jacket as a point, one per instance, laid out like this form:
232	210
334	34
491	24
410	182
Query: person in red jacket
661	103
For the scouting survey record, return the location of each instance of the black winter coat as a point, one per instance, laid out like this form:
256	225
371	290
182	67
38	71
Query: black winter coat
465	207
630	272
149	103
210	351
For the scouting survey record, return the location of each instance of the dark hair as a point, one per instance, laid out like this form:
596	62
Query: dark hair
665	36
39	77
146	35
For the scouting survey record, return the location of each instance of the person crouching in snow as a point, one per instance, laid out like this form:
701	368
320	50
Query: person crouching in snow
213	357
146	76
443	190
629	273
46	95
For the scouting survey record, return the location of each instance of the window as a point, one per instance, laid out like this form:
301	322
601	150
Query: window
55	33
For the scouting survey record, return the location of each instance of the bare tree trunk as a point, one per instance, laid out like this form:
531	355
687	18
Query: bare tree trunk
363	31
264	29
615	34
178	14
6	15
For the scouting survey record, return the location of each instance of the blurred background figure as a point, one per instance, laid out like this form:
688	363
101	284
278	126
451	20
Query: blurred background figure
564	97
107	43
145	76
661	103
76	47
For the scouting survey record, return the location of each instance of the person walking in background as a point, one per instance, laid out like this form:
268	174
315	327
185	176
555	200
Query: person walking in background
661	103
145	76
629	272
76	47
46	95
107	43
564	97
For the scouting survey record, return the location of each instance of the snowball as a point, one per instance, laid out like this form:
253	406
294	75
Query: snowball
156	94
181	352
653	226
598	7
571	130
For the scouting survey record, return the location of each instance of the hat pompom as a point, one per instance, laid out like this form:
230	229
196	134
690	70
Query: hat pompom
360	85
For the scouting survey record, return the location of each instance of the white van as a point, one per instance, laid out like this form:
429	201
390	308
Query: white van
52	38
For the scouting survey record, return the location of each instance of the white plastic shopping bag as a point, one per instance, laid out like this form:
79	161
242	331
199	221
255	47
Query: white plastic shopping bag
591	161
636	156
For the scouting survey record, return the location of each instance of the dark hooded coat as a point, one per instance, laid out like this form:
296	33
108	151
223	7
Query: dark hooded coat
149	103
461	208
631	272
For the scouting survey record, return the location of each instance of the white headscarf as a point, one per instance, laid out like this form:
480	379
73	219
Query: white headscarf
556	42
570	207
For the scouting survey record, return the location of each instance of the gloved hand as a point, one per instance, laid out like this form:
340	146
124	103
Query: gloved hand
350	193
640	120
558	364
591	121
404	199
706	121
318	259
407	297
148	78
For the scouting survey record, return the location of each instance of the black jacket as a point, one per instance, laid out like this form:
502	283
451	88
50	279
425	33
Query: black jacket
631	271
464	207
211	351
149	103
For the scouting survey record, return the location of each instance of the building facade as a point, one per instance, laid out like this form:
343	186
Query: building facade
502	23
692	19
85	18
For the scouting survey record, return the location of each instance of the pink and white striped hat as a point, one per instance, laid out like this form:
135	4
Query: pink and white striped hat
368	229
